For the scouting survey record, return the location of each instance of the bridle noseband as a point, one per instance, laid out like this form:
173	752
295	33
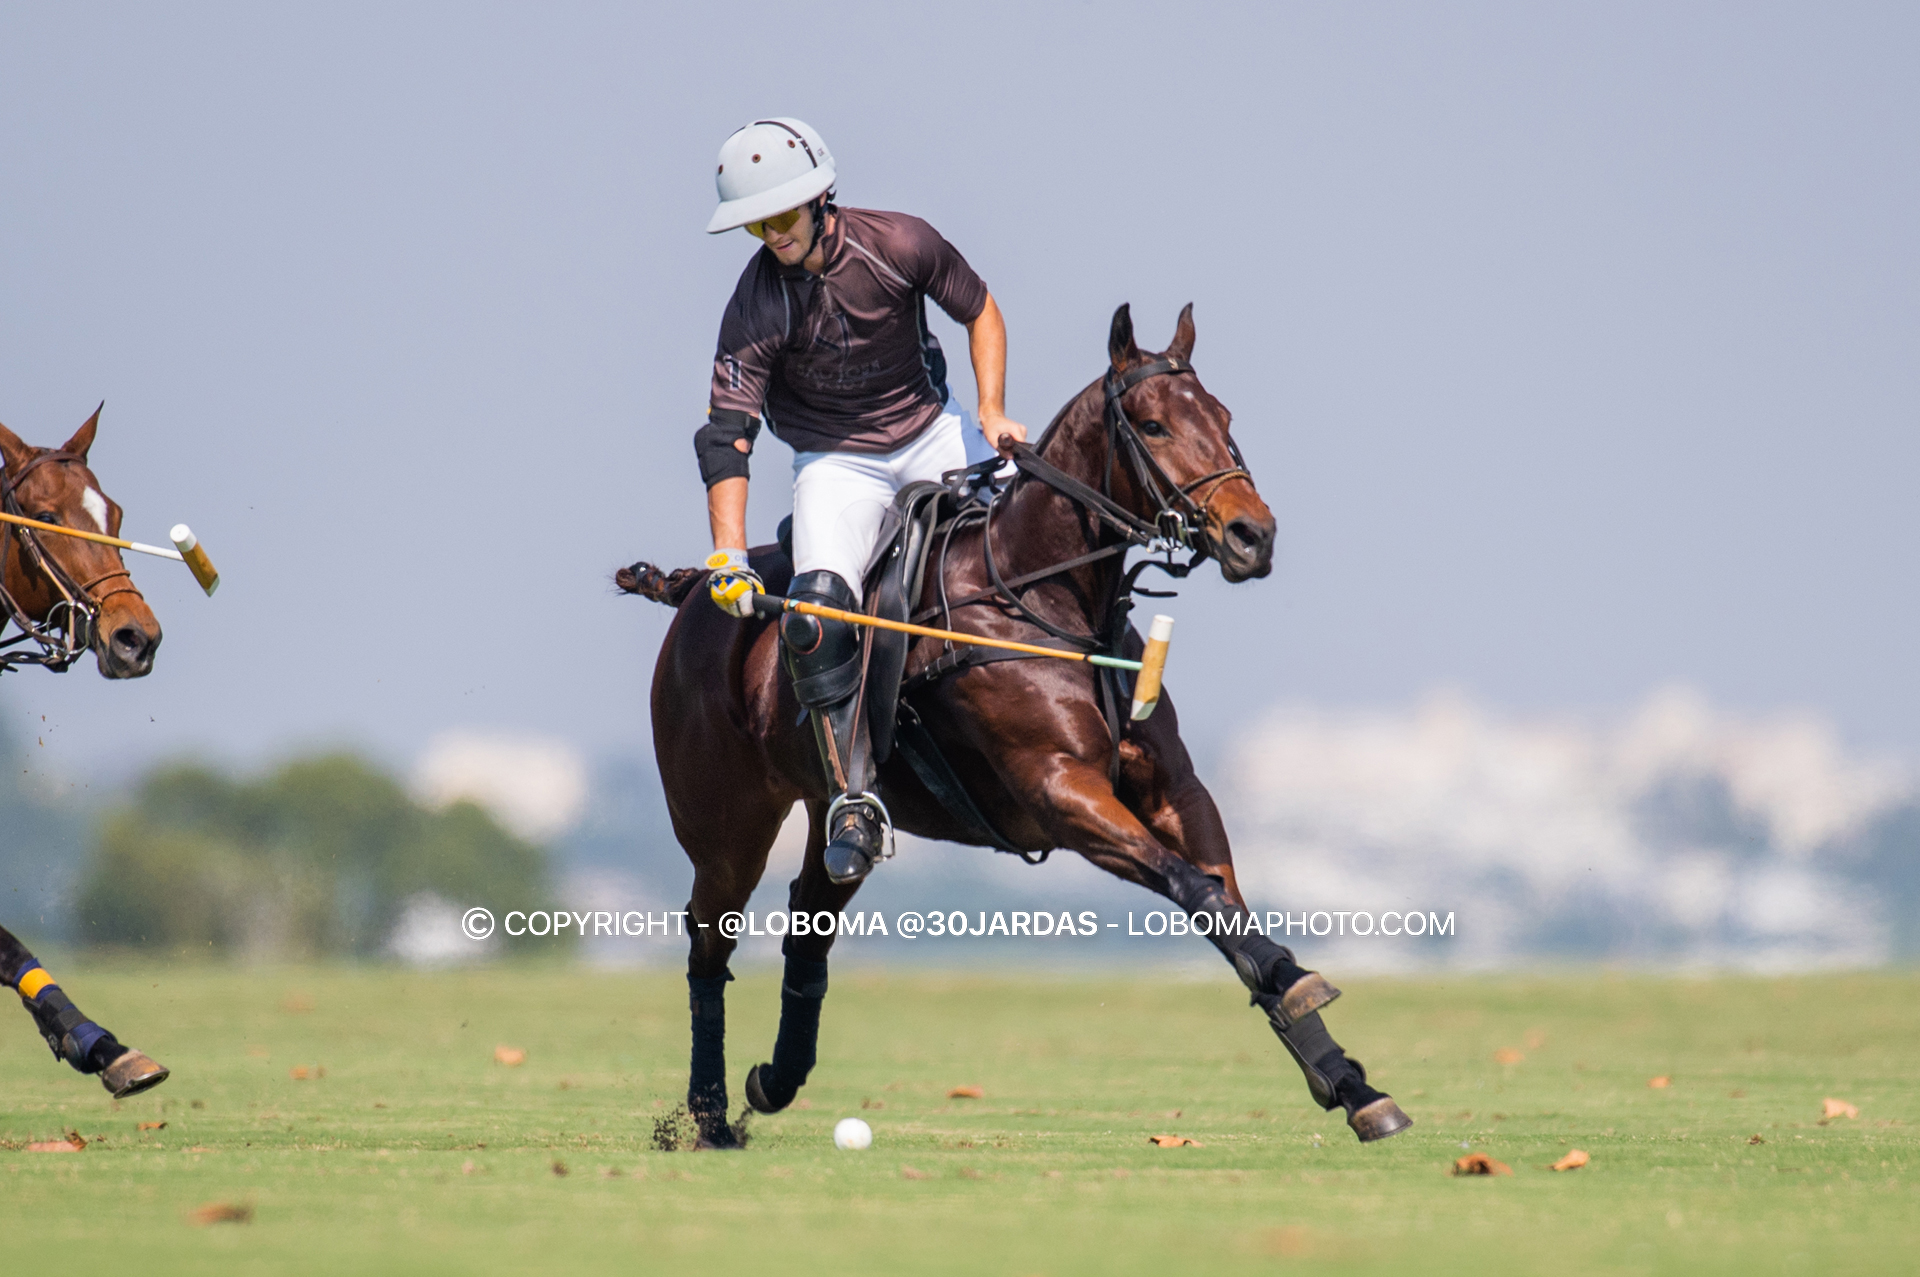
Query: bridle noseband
1180	518
1181	514
71	624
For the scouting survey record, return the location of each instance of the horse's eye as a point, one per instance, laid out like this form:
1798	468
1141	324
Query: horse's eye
1153	428
48	516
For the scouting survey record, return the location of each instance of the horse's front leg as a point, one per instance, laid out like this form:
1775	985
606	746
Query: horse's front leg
1159	786
1084	814
74	1038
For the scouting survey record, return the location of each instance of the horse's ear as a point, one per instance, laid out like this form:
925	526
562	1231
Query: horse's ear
14	449
1182	348
1120	345
83	437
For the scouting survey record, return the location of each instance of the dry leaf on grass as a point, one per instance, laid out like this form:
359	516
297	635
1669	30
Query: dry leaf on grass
1480	1164
1507	1055
1831	1108
1574	1160
299	1073
153	1126
908	1172
560	1169
1291	1242
1173	1141
967	1093
73	1145
1660	1083
220	1213
1756	1139
511	1056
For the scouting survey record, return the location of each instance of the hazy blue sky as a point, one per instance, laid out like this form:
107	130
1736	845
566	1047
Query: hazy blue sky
1576	347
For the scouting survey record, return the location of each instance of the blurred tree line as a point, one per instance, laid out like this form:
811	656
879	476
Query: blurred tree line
317	858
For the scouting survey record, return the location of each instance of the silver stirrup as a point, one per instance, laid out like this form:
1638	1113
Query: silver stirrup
879	809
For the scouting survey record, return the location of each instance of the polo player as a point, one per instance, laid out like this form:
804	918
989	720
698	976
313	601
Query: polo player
825	341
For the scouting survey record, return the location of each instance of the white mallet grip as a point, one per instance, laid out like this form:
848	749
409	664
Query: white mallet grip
1146	686
195	558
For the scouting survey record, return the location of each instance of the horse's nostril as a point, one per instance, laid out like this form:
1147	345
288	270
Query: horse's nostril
1248	537
131	639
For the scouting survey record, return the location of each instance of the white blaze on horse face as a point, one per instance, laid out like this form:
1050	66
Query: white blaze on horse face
96	507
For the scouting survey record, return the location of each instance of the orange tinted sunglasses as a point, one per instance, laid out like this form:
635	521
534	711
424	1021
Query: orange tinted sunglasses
781	224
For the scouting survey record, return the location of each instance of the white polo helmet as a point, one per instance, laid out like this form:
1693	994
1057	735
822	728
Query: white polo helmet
767	168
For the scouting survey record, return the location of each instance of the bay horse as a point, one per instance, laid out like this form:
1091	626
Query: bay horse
68	597
1142	456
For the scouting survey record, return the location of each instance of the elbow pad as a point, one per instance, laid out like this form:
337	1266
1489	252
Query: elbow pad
713	444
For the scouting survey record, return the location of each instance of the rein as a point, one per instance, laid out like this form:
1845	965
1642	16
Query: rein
1180	519
68	630
1179	522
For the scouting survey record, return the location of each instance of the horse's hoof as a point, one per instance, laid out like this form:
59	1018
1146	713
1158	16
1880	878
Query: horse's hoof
131	1074
1378	1120
1306	995
757	1095
846	863
715	1135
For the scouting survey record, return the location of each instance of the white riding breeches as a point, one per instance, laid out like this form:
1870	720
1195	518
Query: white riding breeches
840	499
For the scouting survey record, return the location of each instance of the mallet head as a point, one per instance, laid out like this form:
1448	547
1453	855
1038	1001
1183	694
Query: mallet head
196	558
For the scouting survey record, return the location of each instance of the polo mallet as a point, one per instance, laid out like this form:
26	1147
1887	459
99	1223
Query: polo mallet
188	552
1146	688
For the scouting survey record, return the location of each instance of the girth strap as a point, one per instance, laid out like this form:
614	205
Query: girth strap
915	743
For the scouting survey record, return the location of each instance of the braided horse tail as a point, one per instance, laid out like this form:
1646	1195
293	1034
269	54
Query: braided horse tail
649	582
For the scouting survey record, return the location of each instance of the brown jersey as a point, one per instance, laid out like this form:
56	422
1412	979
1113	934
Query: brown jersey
842	361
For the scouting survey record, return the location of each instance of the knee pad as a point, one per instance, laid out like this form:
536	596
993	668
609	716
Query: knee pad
823	656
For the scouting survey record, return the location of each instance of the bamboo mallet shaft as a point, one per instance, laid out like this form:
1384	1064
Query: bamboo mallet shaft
188	551
776	604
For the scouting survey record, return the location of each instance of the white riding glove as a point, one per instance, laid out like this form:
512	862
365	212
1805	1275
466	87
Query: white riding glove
732	583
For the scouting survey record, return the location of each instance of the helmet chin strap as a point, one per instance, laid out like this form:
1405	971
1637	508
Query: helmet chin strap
821	206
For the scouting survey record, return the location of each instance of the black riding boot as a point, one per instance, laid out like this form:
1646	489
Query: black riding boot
823	658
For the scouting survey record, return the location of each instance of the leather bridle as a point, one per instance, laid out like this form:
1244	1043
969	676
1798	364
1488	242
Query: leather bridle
1181	515
70	626
1181	518
1181	511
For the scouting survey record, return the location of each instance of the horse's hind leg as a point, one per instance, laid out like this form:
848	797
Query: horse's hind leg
772	1086
731	857
72	1036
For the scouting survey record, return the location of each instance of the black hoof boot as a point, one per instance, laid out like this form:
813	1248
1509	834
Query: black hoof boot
767	1091
854	845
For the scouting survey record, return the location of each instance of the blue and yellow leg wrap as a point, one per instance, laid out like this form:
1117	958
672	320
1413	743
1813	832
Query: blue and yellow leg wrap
70	1035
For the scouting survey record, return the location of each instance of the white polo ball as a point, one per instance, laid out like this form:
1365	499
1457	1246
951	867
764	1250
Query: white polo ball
853	1134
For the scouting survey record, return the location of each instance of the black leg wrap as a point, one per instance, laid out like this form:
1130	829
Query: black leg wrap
1334	1080
707	1081
1263	966
772	1087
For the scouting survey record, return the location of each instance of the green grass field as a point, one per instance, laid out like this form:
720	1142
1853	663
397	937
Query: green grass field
417	1152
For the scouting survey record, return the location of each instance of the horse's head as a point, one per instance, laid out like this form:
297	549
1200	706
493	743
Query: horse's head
1184	431
65	579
